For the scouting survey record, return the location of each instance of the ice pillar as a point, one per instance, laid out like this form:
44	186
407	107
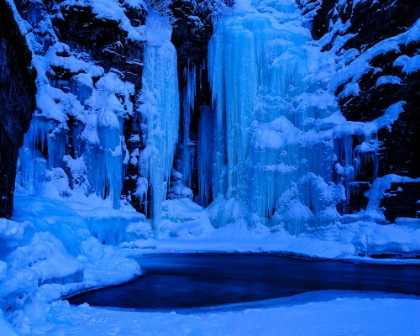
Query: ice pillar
261	152
160	115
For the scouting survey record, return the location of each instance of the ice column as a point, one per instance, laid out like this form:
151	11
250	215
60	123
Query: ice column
263	152
160	115
187	148
234	80
205	154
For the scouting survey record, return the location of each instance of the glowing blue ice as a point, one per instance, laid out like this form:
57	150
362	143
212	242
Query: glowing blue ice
261	98
160	115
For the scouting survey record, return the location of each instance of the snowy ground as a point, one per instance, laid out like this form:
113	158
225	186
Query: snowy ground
190	226
37	309
318	313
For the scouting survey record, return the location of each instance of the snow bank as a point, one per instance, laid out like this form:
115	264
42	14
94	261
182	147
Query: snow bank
49	253
318	313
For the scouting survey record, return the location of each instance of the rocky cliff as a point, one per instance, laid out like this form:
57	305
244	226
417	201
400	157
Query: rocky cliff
361	29
17	101
86	45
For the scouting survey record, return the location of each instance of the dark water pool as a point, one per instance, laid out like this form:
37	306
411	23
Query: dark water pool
180	281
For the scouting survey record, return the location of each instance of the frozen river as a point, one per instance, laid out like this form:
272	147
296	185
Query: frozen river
181	281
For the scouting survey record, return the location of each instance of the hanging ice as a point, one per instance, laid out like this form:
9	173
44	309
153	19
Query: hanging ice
187	147
204	155
160	115
263	152
86	124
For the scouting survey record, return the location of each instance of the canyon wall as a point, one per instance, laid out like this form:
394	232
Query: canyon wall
354	29
17	101
90	50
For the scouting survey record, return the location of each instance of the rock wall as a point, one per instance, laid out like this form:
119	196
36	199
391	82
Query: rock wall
347	28
17	101
192	30
352	29
90	60
104	40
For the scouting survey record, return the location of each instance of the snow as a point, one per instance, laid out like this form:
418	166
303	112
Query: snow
94	103
387	80
408	64
344	241
43	268
112	10
380	185
318	313
361	65
49	253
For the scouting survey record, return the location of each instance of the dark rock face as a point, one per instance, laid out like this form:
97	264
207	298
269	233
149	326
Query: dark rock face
98	40
400	145
368	23
192	30
402	200
103	39
17	101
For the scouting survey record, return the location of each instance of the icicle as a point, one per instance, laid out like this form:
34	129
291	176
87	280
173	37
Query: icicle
110	161
233	79
81	86
46	142
187	148
204	154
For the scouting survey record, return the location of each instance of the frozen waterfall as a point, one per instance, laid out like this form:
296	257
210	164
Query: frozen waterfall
273	147
269	163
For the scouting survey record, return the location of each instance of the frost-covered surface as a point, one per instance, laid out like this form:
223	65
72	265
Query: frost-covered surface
274	149
48	252
319	313
75	136
110	9
360	239
350	74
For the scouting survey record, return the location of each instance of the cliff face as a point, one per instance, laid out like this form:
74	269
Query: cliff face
86	46
90	61
353	30
371	22
17	101
192	30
